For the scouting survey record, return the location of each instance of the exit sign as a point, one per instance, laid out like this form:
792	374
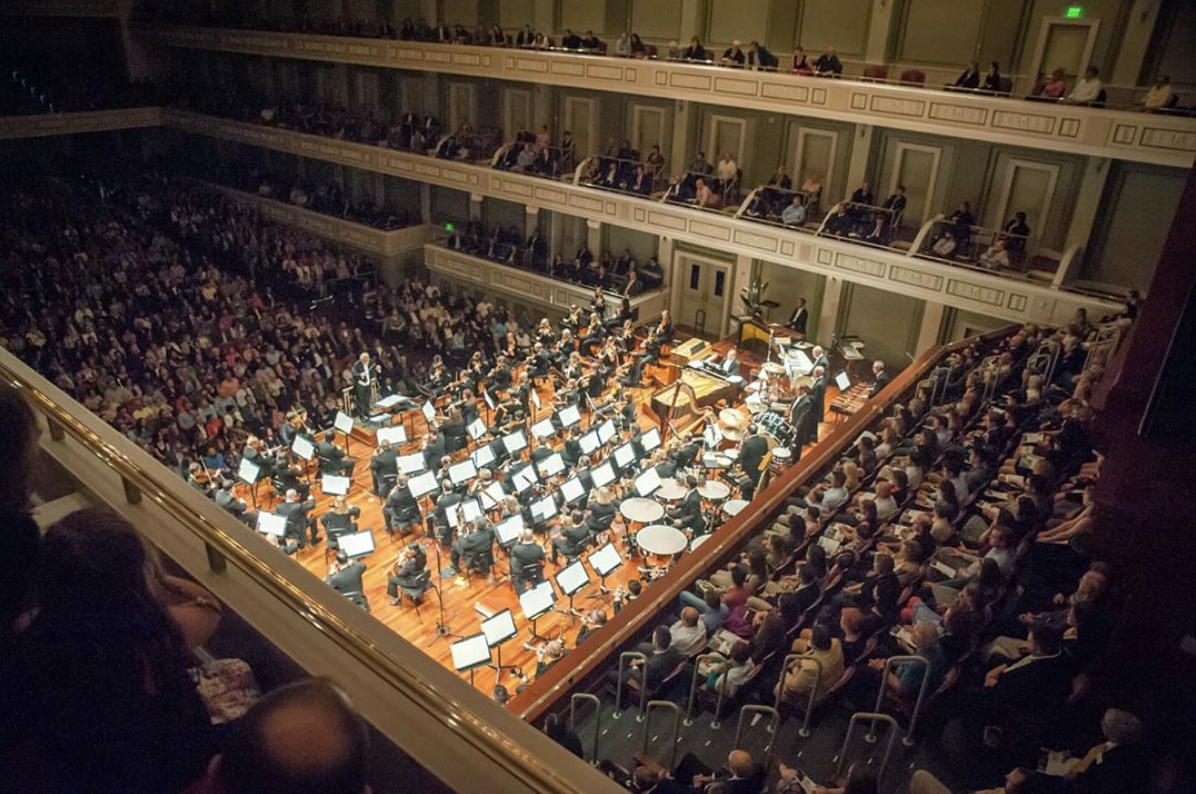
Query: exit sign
1074	12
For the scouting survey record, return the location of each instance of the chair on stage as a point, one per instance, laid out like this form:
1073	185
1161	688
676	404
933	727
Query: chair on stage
421	585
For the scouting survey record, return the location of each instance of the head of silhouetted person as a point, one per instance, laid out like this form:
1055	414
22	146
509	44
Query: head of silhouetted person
302	737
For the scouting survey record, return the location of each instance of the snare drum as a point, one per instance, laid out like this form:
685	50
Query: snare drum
782	458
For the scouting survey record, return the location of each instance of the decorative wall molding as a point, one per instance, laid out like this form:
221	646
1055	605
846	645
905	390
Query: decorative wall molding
974	290
46	124
1062	128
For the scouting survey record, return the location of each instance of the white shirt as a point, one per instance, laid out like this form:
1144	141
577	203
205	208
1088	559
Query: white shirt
688	640
1085	91
727	169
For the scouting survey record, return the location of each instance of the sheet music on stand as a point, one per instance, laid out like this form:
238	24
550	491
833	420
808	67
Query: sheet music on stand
535	399
343	423
606	431
334	484
248	471
499	628
483	456
476	429
552	465
470	653
647	483
463	472
606	560
492	495
271	524
411	464
357	544
650	440
471	510
624	456
538	600
842	381
544	509
589	442
489	400
712	436
573	490
543	429
525	478
507	531
429	411
569	416
423	484
303	447
604	474
515	442
395	435
572	578
799	361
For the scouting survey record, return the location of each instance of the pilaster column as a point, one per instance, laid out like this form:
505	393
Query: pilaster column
932	322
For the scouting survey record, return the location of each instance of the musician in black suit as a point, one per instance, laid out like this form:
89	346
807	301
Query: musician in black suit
365	375
340	519
729	366
434	449
405	573
527	562
690	504
345	578
881	378
818	356
801	416
400	511
332	458
799	318
449	499
383	466
687	453
256	453
298	520
474	548
574	537
751	458
226	498
572	451
818	392
288	478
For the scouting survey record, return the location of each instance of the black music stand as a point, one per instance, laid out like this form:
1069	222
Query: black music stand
572	579
499	628
604	561
470	653
536	603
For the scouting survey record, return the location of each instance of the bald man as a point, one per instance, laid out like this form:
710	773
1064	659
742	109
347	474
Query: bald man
688	633
301	737
740	776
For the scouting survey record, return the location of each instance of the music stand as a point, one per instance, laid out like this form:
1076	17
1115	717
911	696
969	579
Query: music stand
605	561
304	448
343	423
357	544
572	579
499	628
442	629
331	484
470	653
250	473
537	602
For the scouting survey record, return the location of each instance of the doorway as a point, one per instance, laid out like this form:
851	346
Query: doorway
702	297
1065	44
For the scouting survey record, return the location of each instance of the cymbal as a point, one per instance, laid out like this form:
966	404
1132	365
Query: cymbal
731	417
733	433
773	368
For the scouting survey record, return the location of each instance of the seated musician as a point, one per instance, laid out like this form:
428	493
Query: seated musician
688	512
574	537
256	452
475	549
652	345
405	571
687	452
527	562
340	519
332	458
881	378
400	511
602	511
227	498
571	452
595	333
383	466
665	327
344	575
547	655
539	361
729	366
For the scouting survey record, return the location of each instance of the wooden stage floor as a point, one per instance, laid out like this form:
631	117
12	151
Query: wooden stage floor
459	599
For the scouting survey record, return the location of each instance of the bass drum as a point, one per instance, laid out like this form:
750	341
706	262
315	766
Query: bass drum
775	426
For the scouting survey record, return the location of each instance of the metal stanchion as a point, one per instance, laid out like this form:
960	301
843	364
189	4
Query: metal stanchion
624	658
586	696
908	741
670	706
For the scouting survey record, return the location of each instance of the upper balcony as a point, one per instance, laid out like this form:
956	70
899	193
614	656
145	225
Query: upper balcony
894	270
44	124
1119	134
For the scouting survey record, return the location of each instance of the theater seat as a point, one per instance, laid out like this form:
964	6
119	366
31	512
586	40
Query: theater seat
876	73
913	77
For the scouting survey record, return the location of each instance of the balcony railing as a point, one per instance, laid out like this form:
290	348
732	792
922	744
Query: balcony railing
440	721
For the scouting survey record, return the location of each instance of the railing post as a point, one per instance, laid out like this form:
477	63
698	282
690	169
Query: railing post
56	431
875	717
132	492
774	722
693	685
673	707
623	664
718	706
908	741
217	562
590	698
804	730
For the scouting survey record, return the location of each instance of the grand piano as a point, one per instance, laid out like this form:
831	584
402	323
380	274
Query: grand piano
682	401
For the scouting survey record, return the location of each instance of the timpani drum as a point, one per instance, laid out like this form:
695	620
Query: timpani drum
782	458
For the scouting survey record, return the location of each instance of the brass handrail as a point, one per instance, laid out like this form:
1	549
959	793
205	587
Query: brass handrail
142	482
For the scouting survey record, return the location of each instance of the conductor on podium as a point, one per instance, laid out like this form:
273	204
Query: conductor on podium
365	376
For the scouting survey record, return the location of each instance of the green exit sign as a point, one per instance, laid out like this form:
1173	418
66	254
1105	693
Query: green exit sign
1074	12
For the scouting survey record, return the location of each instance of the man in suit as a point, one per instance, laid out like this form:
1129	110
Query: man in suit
794	604
414	562
298	520
527	562
881	378
801	416
365	375
434	449
227	498
741	775
474	548
449	499
575	535
332	458
663	659
689	506
384	467
819	359
799	318
255	453
345	578
729	366
751	458
818	393
400	511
